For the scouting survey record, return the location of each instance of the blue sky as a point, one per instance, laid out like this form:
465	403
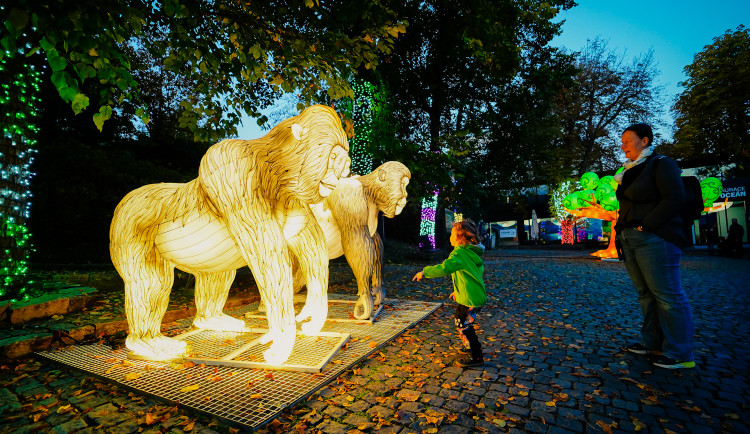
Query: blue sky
676	30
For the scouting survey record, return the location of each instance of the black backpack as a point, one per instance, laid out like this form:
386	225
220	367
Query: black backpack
693	206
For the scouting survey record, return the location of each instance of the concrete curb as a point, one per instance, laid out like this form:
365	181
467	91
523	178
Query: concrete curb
22	345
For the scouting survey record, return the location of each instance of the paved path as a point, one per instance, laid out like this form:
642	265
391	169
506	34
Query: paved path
552	334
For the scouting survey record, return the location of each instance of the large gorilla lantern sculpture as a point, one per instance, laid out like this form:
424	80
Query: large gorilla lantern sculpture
249	206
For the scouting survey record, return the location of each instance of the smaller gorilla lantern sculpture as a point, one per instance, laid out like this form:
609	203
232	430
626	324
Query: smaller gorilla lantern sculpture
349	219
249	206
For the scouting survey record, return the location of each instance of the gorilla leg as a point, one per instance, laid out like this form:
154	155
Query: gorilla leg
148	283
377	271
309	248
211	292
298	279
262	245
359	250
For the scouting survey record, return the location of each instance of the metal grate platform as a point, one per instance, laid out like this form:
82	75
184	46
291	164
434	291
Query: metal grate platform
339	310
245	396
244	350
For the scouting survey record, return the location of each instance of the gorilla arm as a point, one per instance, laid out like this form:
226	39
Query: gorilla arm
352	210
309	249
261	243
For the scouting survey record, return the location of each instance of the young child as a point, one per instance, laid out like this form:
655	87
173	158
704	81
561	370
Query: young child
466	269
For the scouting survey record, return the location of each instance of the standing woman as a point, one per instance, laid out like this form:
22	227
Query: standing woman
651	236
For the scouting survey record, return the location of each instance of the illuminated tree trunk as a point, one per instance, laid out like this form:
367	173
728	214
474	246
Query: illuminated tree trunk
566	230
19	100
429	216
597	212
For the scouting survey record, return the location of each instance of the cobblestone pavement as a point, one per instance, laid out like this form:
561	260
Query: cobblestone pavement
552	334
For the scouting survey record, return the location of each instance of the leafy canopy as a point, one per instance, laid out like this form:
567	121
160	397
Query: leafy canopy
608	95
713	113
231	51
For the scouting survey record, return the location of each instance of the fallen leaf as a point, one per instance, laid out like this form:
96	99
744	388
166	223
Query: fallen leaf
607	428
638	425
190	388
64	409
132	376
551	404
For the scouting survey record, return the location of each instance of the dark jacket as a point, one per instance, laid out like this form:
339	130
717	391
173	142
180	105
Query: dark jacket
651	195
736	231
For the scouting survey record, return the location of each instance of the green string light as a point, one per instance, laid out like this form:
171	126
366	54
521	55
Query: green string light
362	115
19	97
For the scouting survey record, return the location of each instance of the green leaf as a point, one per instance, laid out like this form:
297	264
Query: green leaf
85	71
105	112
18	18
8	43
141	113
46	44
99	121
80	103
32	51
56	62
122	84
67	93
60	80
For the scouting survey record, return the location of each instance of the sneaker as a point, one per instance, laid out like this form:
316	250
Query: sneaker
670	363
637	348
469	363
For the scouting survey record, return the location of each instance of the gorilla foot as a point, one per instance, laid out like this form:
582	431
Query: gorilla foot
222	323
365	304
312	327
378	294
280	349
157	348
317	312
304	314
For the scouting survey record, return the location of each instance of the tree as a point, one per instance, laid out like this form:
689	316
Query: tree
522	126
713	112
608	95
445	75
229	50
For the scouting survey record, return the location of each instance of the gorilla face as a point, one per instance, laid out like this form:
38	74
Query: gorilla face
393	196
401	203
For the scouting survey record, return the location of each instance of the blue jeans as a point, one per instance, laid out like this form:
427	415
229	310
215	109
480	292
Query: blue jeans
654	267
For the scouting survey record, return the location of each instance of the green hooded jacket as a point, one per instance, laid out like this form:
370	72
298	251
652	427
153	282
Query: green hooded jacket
466	269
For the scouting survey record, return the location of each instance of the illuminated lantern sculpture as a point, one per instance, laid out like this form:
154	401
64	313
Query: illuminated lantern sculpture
349	219
561	201
711	190
597	201
249	206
